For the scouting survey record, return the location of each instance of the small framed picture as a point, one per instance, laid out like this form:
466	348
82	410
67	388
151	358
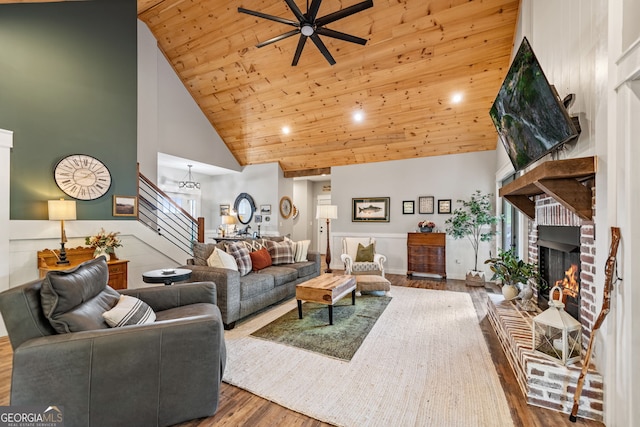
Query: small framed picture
258	219
224	210
408	207
425	204
444	206
265	209
125	206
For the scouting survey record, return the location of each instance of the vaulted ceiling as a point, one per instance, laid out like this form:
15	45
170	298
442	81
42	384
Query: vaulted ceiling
418	55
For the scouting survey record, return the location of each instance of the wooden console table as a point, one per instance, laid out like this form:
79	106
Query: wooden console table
426	253
118	269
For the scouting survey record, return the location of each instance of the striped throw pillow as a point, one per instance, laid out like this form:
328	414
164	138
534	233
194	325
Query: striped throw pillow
129	311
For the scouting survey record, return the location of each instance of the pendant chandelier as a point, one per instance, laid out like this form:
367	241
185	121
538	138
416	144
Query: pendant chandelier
189	183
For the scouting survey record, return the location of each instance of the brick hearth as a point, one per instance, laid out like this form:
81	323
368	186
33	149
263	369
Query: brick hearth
544	382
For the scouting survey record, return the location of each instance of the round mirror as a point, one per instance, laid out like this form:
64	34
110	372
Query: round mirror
244	207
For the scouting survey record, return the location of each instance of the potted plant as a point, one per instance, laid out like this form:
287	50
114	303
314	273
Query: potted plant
475	221
511	270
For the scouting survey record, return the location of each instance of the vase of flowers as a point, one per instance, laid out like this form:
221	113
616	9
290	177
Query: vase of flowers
426	226
104	244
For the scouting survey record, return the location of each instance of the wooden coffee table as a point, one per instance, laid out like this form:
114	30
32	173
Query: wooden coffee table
326	289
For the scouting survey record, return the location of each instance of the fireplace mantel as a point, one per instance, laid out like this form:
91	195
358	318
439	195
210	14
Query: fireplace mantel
560	179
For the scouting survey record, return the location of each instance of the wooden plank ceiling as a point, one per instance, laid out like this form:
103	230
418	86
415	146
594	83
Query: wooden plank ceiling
419	53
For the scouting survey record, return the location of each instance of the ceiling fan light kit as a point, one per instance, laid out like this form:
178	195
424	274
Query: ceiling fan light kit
310	26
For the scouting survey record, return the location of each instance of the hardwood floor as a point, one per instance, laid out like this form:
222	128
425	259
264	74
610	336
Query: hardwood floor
241	408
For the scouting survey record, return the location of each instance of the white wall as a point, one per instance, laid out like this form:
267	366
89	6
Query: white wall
169	120
261	182
445	177
596	55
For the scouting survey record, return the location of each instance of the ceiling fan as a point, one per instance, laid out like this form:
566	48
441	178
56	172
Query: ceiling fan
310	26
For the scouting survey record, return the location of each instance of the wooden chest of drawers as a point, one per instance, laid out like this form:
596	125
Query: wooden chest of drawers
118	269
426	253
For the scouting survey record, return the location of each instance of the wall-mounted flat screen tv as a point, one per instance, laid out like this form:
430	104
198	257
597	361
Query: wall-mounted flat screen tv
530	118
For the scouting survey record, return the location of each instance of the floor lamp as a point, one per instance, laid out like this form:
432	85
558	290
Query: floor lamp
327	212
59	210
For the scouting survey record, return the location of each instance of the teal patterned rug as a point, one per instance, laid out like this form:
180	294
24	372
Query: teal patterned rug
351	324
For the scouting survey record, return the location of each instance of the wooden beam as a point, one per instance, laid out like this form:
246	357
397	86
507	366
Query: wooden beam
524	204
571	194
307	172
560	179
580	168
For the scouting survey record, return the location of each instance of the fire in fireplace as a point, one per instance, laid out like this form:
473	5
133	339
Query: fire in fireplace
559	263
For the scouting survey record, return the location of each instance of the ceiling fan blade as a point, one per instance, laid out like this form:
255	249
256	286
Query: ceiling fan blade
341	36
323	49
296	10
269	17
301	42
313	10
343	13
278	38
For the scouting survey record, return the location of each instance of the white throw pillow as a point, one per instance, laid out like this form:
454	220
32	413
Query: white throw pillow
221	259
129	311
301	250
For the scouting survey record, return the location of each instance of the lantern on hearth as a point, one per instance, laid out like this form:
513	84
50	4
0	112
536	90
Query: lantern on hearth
556	334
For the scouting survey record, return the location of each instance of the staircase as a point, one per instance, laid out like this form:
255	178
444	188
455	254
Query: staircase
158	212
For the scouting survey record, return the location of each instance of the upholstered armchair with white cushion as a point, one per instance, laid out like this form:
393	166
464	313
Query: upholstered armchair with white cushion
360	257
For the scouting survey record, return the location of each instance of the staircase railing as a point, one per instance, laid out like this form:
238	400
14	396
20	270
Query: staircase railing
165	217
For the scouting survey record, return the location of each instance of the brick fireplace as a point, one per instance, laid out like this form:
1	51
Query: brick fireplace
543	381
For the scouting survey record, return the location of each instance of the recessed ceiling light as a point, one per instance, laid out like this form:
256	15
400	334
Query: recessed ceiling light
286	130
456	98
358	116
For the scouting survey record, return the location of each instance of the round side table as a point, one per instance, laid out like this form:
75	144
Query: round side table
168	276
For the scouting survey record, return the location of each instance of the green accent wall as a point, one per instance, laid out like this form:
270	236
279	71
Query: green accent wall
68	85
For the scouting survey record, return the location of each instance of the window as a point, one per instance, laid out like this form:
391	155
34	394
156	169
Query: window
510	223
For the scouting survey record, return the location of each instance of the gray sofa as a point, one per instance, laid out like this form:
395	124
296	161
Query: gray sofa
156	374
240	296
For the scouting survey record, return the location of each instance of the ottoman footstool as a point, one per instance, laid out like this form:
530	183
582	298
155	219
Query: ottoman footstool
371	283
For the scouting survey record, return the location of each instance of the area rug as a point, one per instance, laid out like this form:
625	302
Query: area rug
351	324
424	363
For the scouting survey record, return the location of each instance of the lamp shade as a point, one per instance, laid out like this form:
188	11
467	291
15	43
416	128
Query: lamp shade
228	219
327	212
62	210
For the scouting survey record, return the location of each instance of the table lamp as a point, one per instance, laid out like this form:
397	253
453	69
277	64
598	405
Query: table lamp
228	220
327	212
61	210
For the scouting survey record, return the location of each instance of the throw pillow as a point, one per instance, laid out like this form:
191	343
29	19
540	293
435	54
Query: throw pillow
300	251
258	244
221	259
74	300
260	259
281	252
242	257
365	254
129	311
201	252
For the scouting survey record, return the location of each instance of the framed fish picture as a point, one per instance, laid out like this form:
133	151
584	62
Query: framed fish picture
372	209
